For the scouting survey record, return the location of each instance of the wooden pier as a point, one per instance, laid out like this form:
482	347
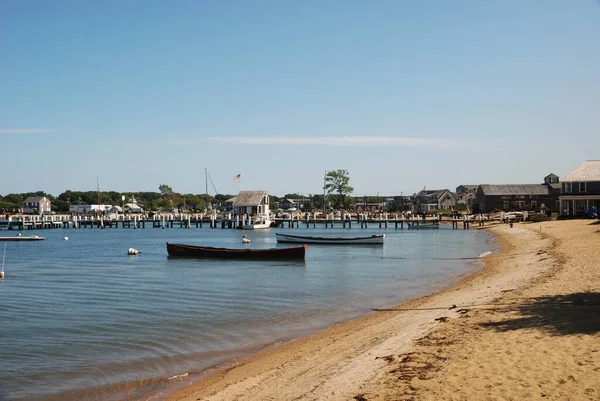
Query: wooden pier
229	221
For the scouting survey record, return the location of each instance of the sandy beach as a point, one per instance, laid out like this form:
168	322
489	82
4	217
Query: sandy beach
526	326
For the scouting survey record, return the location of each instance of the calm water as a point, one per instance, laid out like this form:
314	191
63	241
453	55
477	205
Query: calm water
80	319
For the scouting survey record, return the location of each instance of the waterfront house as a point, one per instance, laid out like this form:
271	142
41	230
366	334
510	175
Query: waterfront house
36	204
436	199
252	203
132	208
465	195
113	212
287	203
581	189
518	197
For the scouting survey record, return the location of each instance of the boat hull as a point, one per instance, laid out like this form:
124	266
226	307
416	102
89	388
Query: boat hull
376	239
257	226
192	251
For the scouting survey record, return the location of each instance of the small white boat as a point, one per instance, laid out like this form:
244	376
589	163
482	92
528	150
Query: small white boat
375	239
258	225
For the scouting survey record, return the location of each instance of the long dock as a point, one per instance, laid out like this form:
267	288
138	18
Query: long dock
381	220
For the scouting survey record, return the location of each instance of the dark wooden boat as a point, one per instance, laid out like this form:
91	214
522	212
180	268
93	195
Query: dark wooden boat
193	251
375	239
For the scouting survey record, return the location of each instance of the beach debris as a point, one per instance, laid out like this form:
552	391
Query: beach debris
452	307
132	251
359	397
178	377
442	319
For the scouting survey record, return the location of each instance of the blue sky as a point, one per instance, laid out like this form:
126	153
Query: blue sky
402	94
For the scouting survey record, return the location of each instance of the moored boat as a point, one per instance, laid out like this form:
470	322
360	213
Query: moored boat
376	239
258	225
194	251
424	225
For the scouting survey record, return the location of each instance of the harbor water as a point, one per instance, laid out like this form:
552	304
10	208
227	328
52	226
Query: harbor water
81	319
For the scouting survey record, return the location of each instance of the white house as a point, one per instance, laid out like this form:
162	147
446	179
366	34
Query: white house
132	208
36	204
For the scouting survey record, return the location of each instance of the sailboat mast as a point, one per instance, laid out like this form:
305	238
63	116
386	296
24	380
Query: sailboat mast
98	189
324	186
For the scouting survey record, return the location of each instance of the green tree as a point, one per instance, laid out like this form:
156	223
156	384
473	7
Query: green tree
165	190
338	181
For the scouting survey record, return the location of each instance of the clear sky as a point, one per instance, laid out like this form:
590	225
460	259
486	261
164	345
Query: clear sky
402	94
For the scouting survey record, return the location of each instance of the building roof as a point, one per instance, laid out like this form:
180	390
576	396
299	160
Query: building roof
516	189
34	199
468	186
432	193
249	198
588	171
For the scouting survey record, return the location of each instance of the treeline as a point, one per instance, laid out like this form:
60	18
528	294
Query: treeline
166	199
150	200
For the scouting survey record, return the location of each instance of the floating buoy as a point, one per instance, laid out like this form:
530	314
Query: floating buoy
132	251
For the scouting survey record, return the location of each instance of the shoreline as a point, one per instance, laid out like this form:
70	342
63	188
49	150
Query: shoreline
415	316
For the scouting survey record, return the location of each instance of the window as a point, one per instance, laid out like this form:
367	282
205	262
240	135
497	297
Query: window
506	205
521	205
533	204
568	187
582	187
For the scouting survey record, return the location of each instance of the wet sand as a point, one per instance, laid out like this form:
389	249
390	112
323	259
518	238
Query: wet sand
526	326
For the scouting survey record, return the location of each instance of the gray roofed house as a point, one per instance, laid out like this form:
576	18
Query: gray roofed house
588	171
581	189
252	203
36	204
511	197
435	199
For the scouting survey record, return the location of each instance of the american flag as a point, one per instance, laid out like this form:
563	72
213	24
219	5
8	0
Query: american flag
237	177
